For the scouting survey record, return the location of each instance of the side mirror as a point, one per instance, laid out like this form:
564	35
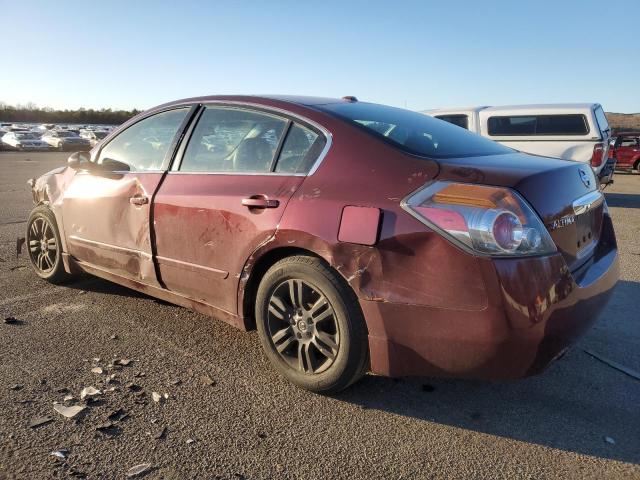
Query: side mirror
78	160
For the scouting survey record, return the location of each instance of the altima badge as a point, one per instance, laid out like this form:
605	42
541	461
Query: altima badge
584	176
562	222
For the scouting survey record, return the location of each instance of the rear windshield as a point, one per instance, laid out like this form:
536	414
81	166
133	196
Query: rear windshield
415	132
538	125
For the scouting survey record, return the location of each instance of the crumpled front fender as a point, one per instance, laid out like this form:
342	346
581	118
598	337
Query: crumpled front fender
49	189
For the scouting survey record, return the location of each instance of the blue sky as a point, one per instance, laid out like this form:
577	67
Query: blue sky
418	54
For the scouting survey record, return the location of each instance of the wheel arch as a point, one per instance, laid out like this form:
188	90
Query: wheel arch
260	266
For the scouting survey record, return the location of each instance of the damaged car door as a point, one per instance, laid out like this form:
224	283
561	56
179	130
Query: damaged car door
106	208
223	197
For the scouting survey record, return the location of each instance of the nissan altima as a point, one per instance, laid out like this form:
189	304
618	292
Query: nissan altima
353	236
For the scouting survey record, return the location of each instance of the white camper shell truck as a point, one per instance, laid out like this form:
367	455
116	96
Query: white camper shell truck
578	132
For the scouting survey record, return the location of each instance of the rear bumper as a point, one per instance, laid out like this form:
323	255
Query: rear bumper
536	308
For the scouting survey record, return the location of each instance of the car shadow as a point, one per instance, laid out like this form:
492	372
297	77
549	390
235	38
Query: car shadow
574	406
579	404
87	283
623	200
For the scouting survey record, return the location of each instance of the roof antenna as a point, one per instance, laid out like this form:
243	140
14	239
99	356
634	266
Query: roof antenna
350	98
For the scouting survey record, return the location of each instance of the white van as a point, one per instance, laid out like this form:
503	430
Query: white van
578	131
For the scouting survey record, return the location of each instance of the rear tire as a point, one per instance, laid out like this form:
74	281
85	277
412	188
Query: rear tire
636	166
44	247
311	326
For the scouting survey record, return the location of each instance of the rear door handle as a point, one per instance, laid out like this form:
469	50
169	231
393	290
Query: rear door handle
260	202
138	200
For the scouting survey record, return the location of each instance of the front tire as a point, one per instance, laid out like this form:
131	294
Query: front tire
310	325
44	246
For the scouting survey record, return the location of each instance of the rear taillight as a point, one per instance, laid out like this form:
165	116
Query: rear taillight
484	219
598	155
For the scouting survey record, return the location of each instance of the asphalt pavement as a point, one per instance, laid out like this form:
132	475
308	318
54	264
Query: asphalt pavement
227	414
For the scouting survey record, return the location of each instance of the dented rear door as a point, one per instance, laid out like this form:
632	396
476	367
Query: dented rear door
225	197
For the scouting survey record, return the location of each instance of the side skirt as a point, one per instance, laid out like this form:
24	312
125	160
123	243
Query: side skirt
162	294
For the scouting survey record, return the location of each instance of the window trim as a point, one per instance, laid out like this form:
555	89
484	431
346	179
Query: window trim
281	141
537	115
174	167
171	151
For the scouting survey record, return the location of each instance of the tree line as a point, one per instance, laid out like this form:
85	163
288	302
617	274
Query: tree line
32	113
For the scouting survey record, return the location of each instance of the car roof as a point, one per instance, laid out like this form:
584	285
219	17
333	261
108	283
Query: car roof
530	108
547	107
267	99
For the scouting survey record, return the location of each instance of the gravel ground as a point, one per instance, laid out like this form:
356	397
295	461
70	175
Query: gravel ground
228	415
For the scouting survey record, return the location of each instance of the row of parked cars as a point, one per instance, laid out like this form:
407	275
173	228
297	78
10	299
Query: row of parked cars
50	136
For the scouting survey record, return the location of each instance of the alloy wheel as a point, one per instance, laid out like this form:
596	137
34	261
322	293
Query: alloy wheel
43	246
303	327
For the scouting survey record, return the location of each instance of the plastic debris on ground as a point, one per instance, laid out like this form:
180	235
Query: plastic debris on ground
40	421
60	454
68	412
89	392
138	470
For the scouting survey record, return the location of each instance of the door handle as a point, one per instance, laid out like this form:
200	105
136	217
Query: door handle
260	202
138	200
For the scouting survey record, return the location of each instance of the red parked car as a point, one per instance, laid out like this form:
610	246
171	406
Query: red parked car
353	236
626	151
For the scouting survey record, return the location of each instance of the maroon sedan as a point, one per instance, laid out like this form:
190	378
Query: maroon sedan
353	236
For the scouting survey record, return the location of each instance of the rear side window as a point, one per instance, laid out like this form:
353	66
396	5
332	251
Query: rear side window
601	118
299	150
233	140
459	120
414	132
538	125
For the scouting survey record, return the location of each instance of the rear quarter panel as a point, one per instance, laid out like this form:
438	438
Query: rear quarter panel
410	264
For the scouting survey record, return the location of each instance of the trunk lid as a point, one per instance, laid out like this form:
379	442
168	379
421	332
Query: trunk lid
563	193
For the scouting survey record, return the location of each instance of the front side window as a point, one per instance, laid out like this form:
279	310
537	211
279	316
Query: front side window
459	120
145	144
571	124
299	151
228	139
414	132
